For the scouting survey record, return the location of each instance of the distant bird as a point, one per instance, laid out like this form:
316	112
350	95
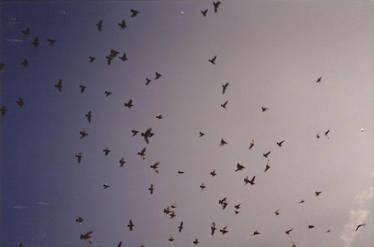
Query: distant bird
25	63
328	231
251	182
213	60
327	133
151	189
35	43
129	104
201	134
252	144
317	193
317	136
216	6
359	226
147	134
88	115
319	79
224	104
263	109
180	227
310	226
147	81
157	75
142	153
51	41
106	151
180	172
159	116
83	133
224	87
20	102
239	167
113	53
280	143
58	85
266	154
122	24
123	57
26	31
82	88
99	25
106	186
79	220
155	166
122	162
107	93
196	241
224	230
213	228
213	173
119	244
202	186
267	167
276	212
289	231
302	201
3	110
91	59
134	132
223	142
204	12
87	237
171	239
256	233
79	157
237	206
131	225
134	13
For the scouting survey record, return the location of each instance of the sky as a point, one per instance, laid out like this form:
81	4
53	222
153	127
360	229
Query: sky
271	52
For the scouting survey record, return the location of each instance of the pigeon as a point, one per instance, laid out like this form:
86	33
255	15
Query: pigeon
25	63
147	81
224	104
216	5
106	151
256	233
58	85
263	109
196	241
327	133
35	43
157	75
151	188
204	12
26	31
88	115
267	167
20	102
82	87
280	143
213	173
359	226
319	79
239	167
276	212
302	201
155	166
202	186
224	230
79	157
147	134
252	144
51	41
134	13
106	186
122	24
142	153
251	182
119	244
131	225
201	134
113	53
91	59
99	25
213	60
79	220
213	228
83	133
171	239
224	87
159	116
122	162
107	93
289	231
3	110
123	57
134	132
310	226
317	193
266	154
180	227
87	237
129	104
223	142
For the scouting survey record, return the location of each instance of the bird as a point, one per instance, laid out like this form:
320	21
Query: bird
20	102
202	186
109	60
87	237
251	144
319	79
26	31
310	226
224	230
276	212
256	233
91	59
88	115
58	85
224	104
119	244
213	228
237	206
122	24
317	193
79	157
83	133
196	241
147	81
267	167
289	231
204	12
216	5
213	173
180	227
147	134
263	109
142	153
106	151
157	75
131	225
99	25
251	182
107	93
2	65
180	172
155	166
328	231
129	104
327	133
134	132
171	239
151	189
159	116
317	136
134	13
51	41
223	142
301	201
106	186
79	220
266	154
3	110
359	226
113	53
239	167
280	143
201	134
123	57
25	63
213	60
82	87
224	87
122	162
35	42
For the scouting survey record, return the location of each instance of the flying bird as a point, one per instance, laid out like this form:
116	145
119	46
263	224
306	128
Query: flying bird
327	133
196	241
51	41
157	75
99	25
26	31
180	172
224	87
106	186
87	237
256	233
216	6
151	189
267	167
20	102
58	85
202	186
35	43
213	60
263	109
302	201
239	167
201	134
204	12
317	193
147	81
224	104
180	227
119	244
83	133
310	226
142	153
280	143
3	110
319	79
122	24
82	87
131	225
213	173
122	162
91	59
252	144
123	57
129	104
359	226
266	154
106	151
25	63
79	157
213	228
159	116
88	115
251	182
289	231
223	142
171	239
155	166
134	13
276	212
134	132
224	230
147	134
107	93
79	220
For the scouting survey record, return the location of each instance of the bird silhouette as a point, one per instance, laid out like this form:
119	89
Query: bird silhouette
99	25
142	153
155	166
82	88
119	244
35	42
129	104
147	134
276	212
317	136
196	241
58	85
213	228
159	116
204	12
88	115
122	24
131	225
79	220
310	226
223	142
134	13
20	102
122	162
224	230
157	75
180	172
213	173
123	57
171	239
256	233
201	134
151	189
251	144
180	227
25	63
251	182
147	81
51	41
266	154
239	167
79	157
26	31
224	87
359	226
267	167
319	79
106	186
106	151
264	109
327	133
280	143
107	93
91	59
134	132
224	104
213	60
289	231
87	237
83	133
3	110
317	193
202	186
216	6
301	201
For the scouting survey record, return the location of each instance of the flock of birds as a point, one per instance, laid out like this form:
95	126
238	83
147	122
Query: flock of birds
169	210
